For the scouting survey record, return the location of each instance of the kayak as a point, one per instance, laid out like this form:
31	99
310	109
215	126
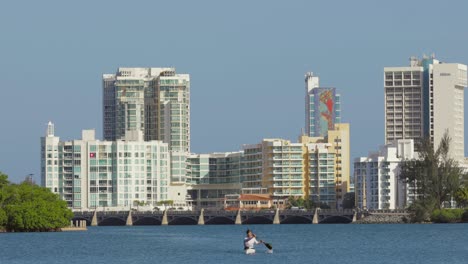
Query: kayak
250	251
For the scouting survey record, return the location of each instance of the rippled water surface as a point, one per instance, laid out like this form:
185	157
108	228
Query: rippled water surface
223	244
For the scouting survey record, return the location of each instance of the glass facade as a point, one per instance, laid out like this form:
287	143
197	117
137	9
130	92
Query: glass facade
213	176
154	101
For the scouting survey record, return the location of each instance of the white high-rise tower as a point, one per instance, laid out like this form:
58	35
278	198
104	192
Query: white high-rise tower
424	100
153	102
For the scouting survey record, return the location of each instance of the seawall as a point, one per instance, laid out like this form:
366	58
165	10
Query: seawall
382	219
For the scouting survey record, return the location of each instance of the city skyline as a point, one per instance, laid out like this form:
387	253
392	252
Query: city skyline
243	74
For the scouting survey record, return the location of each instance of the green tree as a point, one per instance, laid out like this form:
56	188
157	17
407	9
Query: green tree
165	203
300	202
3	196
420	210
27	207
291	202
138	203
461	197
3	180
434	176
308	204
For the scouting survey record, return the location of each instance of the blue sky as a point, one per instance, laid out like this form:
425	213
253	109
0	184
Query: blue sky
246	59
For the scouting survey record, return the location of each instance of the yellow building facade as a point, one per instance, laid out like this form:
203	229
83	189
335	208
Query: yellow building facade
338	141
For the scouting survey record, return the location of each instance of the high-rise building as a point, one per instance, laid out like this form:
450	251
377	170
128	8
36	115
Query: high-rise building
425	99
377	182
155	101
89	173
323	108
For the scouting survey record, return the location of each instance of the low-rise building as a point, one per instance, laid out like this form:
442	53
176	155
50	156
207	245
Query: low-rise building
210	177
377	183
249	202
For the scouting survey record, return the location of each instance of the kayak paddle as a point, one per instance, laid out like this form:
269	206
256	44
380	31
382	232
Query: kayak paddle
268	245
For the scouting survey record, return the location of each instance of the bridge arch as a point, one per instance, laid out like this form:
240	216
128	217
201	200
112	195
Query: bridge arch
146	221
112	221
257	220
299	219
336	219
220	220
183	220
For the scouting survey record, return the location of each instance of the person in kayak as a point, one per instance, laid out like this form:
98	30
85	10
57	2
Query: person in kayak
249	242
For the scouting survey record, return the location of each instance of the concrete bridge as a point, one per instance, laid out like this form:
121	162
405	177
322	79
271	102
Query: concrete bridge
216	217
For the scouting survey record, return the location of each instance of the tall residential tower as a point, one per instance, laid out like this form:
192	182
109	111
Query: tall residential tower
155	102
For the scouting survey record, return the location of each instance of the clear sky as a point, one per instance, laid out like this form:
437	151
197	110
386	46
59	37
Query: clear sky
247	61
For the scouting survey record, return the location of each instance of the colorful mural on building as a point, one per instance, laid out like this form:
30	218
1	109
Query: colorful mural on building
325	112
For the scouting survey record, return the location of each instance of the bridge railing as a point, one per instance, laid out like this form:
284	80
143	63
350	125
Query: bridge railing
296	212
83	213
113	212
320	211
388	211
175	212
147	212
335	211
219	212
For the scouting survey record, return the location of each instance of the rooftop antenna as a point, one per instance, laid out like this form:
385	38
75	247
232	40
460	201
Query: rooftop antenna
50	129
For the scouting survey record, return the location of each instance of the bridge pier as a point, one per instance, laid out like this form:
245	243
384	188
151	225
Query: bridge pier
94	220
164	218
315	220
238	218
276	219
201	218
129	219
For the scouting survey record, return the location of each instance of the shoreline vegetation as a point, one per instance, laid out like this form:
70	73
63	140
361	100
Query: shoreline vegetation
27	207
436	181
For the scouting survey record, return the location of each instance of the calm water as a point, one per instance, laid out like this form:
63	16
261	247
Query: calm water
223	244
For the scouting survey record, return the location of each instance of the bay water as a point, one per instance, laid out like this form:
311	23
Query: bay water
412	243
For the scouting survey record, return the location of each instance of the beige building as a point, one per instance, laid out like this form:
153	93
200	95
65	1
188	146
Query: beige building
337	143
316	168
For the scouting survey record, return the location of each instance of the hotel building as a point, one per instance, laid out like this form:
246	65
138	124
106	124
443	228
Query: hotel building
425	99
